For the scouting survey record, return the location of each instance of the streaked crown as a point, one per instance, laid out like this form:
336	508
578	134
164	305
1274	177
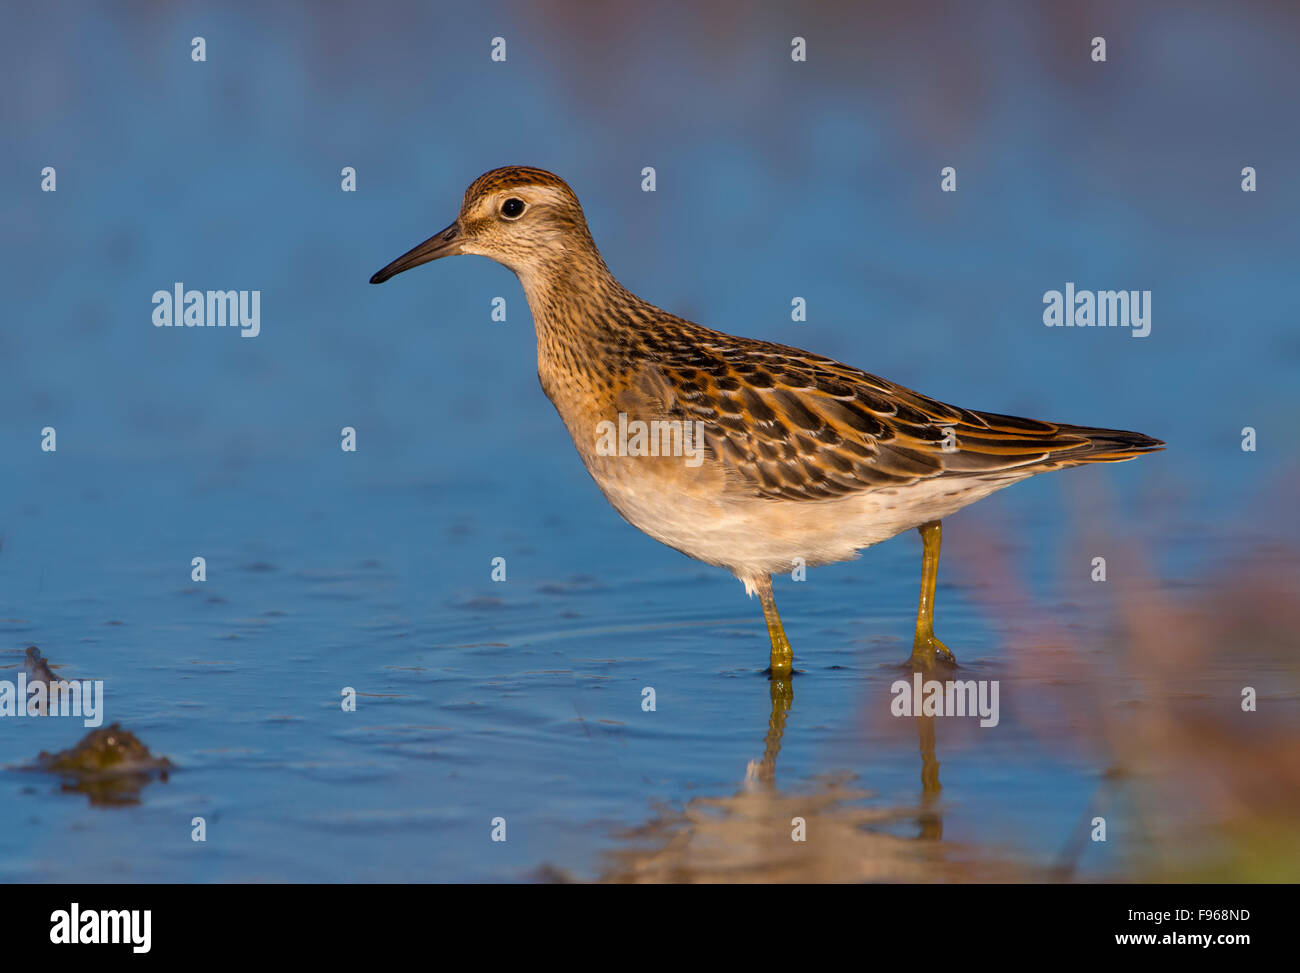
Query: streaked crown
524	218
527	219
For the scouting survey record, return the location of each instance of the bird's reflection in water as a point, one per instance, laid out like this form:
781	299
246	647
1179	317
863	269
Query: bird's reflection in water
823	834
930	817
782	691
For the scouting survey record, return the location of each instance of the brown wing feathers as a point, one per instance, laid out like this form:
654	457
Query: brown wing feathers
802	427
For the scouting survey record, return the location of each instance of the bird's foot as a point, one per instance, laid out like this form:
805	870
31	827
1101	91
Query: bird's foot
927	651
781	664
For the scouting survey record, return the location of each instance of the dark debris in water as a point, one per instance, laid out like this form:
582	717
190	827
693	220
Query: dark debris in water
110	765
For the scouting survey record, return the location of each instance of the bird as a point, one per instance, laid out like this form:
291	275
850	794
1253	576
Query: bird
774	457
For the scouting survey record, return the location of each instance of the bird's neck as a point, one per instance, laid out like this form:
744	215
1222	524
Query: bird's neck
586	321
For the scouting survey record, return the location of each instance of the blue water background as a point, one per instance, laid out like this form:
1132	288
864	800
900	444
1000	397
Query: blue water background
371	569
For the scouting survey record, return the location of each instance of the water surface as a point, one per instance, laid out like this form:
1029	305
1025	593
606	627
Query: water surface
522	699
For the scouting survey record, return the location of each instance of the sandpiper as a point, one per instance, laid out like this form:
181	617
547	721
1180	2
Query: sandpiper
806	461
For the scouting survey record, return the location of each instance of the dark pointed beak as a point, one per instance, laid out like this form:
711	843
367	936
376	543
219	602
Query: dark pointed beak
442	244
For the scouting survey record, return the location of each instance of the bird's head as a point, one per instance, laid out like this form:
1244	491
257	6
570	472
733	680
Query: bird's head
523	218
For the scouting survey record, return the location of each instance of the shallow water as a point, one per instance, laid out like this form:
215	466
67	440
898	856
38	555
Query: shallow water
519	699
522	699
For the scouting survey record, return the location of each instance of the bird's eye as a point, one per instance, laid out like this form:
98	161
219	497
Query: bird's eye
512	208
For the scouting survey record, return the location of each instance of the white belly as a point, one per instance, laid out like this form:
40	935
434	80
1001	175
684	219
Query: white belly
704	512
754	538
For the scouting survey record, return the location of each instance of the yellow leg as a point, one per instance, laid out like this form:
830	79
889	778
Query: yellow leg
925	645
782	654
